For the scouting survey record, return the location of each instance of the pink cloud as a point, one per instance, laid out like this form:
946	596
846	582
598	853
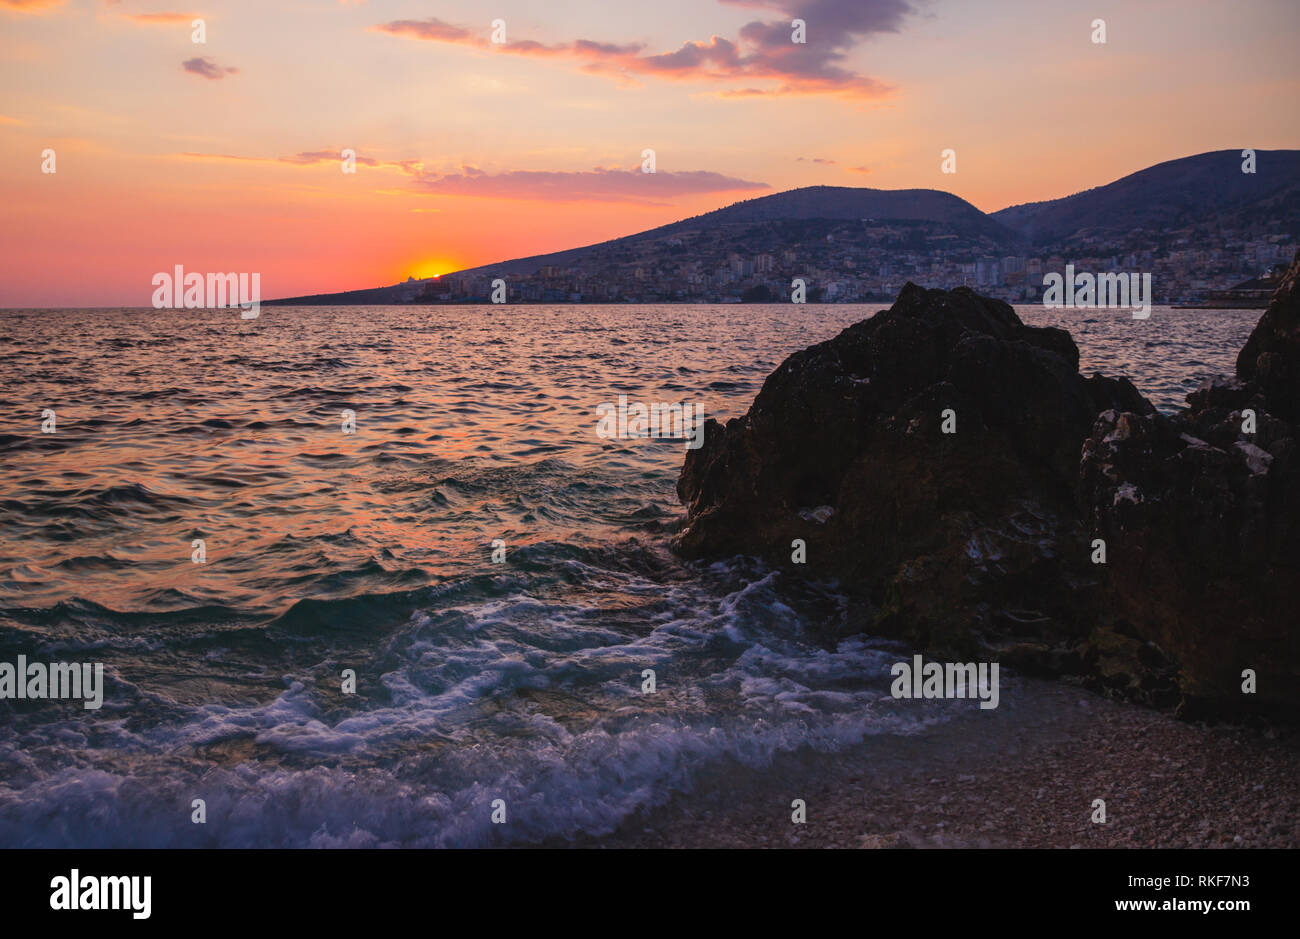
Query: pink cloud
598	184
29	6
763	51
205	67
161	19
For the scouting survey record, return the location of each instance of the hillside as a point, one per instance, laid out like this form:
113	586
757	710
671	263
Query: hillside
804	219
857	242
942	211
1208	190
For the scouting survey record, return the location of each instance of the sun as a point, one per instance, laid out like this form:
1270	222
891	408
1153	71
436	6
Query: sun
432	267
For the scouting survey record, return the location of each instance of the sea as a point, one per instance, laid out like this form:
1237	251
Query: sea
459	623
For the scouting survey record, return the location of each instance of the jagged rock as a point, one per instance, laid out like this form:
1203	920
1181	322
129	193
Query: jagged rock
1271	356
1201	520
969	541
979	542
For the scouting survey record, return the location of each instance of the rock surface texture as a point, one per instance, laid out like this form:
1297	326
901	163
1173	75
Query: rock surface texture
929	459
1201	515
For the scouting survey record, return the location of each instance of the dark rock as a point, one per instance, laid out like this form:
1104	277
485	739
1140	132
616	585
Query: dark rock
1201	520
979	542
1271	356
965	542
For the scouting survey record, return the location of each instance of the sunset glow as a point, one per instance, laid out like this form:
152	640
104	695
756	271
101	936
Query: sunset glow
228	154
561	426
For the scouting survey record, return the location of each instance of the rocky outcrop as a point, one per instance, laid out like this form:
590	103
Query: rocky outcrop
1271	357
966	541
1200	513
929	460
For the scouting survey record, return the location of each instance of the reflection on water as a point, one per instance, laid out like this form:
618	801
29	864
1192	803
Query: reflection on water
372	551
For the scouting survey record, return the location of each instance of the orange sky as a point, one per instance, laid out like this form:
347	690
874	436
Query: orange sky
224	156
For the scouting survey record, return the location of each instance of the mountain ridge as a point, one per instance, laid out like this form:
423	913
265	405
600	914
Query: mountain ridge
1206	190
805	203
1181	190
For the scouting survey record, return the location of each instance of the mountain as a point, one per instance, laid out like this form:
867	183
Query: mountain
781	222
1206	191
943	210
834	233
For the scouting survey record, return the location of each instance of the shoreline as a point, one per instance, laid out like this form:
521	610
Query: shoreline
1026	779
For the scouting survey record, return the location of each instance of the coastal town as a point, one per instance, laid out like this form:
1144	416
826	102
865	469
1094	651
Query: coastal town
864	261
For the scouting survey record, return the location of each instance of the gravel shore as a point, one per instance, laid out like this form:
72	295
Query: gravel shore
1023	775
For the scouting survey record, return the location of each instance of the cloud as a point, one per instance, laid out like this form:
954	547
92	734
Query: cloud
227	156
162	19
6	119
29	6
326	155
599	184
763	51
860	169
204	66
306	158
313	157
816	160
433	29
436	30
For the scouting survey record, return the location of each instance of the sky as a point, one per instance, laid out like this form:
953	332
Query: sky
226	155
